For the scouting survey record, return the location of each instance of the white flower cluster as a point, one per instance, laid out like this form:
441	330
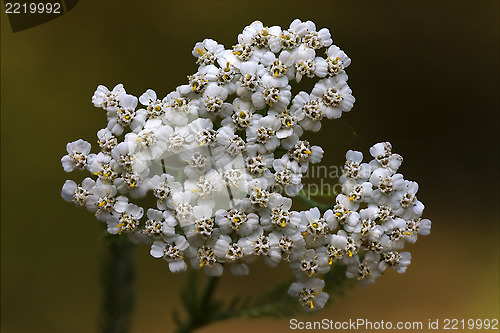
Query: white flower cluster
222	156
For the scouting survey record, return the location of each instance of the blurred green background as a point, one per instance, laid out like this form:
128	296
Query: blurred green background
425	76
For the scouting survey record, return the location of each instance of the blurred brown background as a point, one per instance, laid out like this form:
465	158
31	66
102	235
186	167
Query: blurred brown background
426	78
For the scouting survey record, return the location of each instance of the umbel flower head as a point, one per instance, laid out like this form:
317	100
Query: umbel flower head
222	156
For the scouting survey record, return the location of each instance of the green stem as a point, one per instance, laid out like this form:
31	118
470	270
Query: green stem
117	281
201	308
206	298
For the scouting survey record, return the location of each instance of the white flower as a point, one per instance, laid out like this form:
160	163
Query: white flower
394	234
317	228
336	246
133	183
208	190
319	39
382	152
354	169
236	220
259	194
378	212
204	228
179	109
183	210
105	99
213	102
127	217
242	115
100	165
398	261
258	165
106	140
309	263
159	223
228	76
199	161
75	193
345	212
261	134
258	244
335	95
197	82
125	160
301	153
101	199
283	39
302	28
357	192
171	250
277	215
288	179
232	253
271	93
150	143
289	125
249	81
231	146
254	41
306	63
352	248
179	141
202	132
256	32
288	243
387	184
236	179
207	51
281	68
366	271
163	187
417	226
306	109
336	60
368	229
204	256
123	114
310	293
404	203
77	155
154	107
